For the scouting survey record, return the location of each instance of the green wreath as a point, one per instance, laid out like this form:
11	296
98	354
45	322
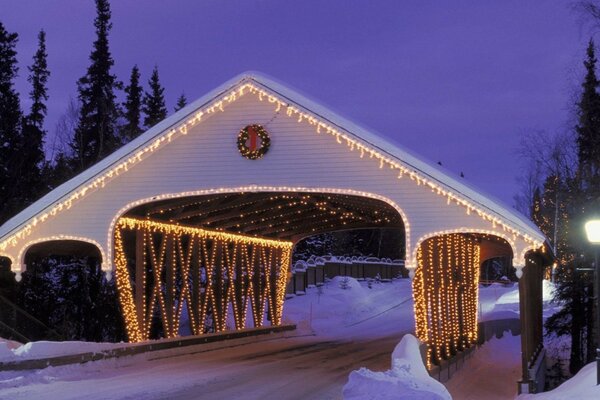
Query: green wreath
253	152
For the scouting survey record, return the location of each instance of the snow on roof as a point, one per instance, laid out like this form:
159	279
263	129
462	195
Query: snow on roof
369	137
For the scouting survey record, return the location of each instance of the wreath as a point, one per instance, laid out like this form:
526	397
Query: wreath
248	142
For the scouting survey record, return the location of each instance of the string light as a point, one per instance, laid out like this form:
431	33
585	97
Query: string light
267	266
518	256
18	266
182	128
445	291
258	189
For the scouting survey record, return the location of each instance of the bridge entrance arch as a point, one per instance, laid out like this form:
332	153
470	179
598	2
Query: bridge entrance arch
256	138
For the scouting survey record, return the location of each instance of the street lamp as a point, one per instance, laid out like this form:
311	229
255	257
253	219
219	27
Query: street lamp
592	230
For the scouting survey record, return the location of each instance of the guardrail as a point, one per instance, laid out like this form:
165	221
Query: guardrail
134	349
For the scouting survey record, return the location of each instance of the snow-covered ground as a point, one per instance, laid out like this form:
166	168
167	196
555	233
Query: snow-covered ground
580	387
11	351
358	311
491	373
339	330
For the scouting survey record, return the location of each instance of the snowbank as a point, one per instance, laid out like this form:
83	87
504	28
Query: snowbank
408	378
44	349
581	387
5	351
358	310
512	296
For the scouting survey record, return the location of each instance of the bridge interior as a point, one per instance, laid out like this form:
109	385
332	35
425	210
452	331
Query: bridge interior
223	255
275	215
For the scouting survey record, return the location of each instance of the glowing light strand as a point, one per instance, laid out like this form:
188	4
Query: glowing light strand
221	256
183	127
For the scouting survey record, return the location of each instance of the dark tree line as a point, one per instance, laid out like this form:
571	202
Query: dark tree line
69	294
568	195
102	123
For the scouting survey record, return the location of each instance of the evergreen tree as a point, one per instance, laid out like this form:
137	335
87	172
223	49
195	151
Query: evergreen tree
588	128
32	158
10	125
181	102
57	172
132	106
96	133
154	101
38	78
70	296
565	203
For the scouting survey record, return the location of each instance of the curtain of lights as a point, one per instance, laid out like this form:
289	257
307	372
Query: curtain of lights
445	288
210	273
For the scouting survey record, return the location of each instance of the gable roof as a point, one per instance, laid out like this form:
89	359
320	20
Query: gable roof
396	156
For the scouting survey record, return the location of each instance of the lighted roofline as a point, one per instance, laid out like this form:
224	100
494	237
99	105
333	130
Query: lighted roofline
121	156
368	136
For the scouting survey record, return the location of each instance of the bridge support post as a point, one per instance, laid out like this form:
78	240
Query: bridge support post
532	345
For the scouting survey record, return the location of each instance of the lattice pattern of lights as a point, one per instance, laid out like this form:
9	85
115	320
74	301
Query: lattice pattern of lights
445	290
214	269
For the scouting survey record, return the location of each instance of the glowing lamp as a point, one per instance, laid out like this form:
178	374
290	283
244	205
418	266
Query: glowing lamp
592	230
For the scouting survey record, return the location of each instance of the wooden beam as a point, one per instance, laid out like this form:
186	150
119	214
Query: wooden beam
307	222
255	224
154	208
220	207
140	271
170	263
296	237
256	209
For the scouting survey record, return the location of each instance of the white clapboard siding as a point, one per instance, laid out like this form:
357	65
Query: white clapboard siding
208	158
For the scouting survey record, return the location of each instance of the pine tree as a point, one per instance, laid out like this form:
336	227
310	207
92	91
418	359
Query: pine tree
38	79
564	205
154	101
132	106
32	158
181	102
588	128
96	133
10	124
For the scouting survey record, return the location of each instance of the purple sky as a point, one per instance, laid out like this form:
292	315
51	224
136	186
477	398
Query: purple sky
458	84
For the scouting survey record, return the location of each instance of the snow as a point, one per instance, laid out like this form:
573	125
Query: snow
408	378
340	330
501	301
11	344
5	351
44	349
491	373
581	387
334	312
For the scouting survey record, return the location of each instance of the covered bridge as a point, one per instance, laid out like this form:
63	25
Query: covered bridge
203	210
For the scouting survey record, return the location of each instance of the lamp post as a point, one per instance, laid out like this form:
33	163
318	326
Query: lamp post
592	230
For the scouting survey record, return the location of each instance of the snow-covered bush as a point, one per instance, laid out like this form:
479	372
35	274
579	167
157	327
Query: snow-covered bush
345	283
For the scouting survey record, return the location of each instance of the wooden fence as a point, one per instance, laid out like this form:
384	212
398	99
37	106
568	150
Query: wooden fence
315	270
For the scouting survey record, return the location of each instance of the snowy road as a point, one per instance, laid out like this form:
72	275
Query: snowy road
288	368
295	370
354	328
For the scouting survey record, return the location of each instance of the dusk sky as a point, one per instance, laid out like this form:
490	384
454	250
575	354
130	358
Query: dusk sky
454	83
